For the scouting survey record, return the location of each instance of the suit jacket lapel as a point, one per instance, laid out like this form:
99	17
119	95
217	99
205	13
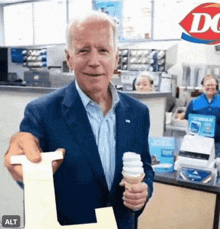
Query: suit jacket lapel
80	128
124	137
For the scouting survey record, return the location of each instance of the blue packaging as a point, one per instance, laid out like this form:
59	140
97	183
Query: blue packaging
203	125
197	175
162	153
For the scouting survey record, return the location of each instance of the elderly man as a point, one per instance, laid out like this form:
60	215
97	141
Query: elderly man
95	125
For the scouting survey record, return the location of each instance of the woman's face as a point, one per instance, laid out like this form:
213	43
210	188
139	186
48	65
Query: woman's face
143	84
210	87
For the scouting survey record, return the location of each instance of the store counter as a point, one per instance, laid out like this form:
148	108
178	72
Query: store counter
14	95
178	132
176	128
156	102
180	205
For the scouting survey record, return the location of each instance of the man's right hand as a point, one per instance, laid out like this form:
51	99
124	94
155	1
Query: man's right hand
25	143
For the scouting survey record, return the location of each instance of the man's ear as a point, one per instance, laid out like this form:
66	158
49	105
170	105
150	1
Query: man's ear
68	61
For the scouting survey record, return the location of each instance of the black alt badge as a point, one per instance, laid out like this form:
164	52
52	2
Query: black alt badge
11	221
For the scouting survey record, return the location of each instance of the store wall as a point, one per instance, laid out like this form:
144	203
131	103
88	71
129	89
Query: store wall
197	54
194	55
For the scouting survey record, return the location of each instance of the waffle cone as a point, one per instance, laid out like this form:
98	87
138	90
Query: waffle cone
130	181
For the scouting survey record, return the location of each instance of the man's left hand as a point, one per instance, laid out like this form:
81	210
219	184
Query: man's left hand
135	197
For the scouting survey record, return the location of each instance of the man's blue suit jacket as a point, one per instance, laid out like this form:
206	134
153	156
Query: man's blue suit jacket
59	120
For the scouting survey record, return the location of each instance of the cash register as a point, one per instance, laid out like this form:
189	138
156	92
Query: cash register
197	151
196	158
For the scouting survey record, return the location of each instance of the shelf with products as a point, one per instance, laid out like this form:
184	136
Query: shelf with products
152	60
35	58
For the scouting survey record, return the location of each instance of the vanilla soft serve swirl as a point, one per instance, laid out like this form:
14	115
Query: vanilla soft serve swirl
132	165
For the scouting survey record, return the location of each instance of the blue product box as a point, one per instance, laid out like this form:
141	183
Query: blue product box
197	175
203	125
162	153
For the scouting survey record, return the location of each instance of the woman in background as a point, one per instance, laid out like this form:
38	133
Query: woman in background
143	83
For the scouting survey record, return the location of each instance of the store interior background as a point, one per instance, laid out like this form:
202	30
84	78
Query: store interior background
163	32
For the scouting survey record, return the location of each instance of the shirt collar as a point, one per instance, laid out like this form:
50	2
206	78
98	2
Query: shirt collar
86	100
209	98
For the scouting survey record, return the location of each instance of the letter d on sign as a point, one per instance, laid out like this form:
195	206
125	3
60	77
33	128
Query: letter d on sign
196	22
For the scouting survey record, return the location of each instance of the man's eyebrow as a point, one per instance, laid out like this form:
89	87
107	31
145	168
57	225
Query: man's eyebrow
82	47
103	46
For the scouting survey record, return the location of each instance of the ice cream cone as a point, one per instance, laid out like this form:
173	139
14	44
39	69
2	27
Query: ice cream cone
131	181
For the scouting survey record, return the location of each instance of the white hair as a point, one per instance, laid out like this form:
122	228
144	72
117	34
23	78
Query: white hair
88	16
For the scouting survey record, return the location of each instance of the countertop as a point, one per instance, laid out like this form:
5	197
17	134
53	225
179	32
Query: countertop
176	128
170	178
148	95
26	88
50	89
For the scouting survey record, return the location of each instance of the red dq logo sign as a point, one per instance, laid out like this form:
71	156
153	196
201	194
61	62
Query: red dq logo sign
203	24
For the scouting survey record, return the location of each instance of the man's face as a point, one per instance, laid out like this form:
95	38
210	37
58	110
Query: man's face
210	87
93	56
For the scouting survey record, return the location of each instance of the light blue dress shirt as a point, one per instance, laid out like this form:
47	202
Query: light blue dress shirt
104	129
